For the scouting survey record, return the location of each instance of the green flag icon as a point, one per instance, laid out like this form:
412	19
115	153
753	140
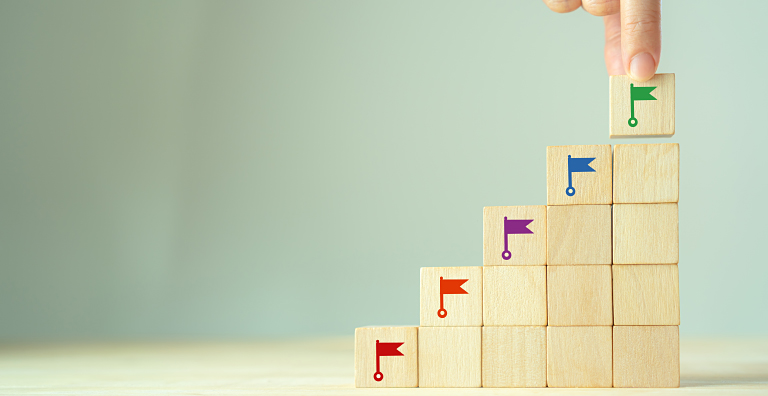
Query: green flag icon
638	93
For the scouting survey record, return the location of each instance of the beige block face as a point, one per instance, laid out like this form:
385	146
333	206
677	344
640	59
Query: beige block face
646	295
587	188
579	357
520	249
646	357
645	234
579	295
646	173
450	357
458	309
655	118
394	371
514	357
579	235
515	296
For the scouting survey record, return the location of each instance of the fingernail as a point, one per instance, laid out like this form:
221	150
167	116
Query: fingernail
642	67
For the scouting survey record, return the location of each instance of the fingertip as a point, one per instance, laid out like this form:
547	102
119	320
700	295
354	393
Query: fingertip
563	6
641	37
601	7
642	67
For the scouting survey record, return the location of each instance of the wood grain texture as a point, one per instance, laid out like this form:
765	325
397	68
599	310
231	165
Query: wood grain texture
655	118
646	173
525	249
646	295
646	357
514	357
450	357
579	295
645	234
310	366
515	295
579	235
397	371
579	357
462	309
592	188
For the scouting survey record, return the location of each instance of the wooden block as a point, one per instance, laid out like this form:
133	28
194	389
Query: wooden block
646	295
646	357
579	235
646	173
515	296
579	295
509	240
514	357
579	175
449	357
579	357
381	363
451	296
652	117
645	234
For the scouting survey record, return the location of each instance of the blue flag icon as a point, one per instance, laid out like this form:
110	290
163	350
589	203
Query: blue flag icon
576	165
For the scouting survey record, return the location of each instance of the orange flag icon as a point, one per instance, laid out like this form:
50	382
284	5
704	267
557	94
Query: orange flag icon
449	286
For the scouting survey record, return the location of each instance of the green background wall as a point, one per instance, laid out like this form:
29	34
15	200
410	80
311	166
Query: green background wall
235	169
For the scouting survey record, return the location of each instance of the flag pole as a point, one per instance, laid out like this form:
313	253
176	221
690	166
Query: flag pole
570	190
506	254
632	106
378	376
441	313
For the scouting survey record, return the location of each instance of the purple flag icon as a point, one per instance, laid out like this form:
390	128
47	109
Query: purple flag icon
513	227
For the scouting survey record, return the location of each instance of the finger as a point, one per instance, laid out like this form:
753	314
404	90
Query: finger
601	7
613	61
563	5
641	37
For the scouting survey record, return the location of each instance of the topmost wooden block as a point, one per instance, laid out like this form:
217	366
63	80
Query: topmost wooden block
579	175
642	109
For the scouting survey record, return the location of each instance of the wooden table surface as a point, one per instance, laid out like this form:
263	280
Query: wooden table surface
308	367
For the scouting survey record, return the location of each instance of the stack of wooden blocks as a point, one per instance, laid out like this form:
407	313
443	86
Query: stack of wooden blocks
582	292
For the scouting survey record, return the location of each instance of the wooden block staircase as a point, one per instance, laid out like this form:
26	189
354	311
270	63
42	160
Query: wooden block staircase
582	292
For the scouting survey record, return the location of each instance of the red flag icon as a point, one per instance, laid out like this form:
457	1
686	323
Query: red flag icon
385	349
449	286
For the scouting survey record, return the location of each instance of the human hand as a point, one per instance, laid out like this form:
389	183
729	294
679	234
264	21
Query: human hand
632	33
